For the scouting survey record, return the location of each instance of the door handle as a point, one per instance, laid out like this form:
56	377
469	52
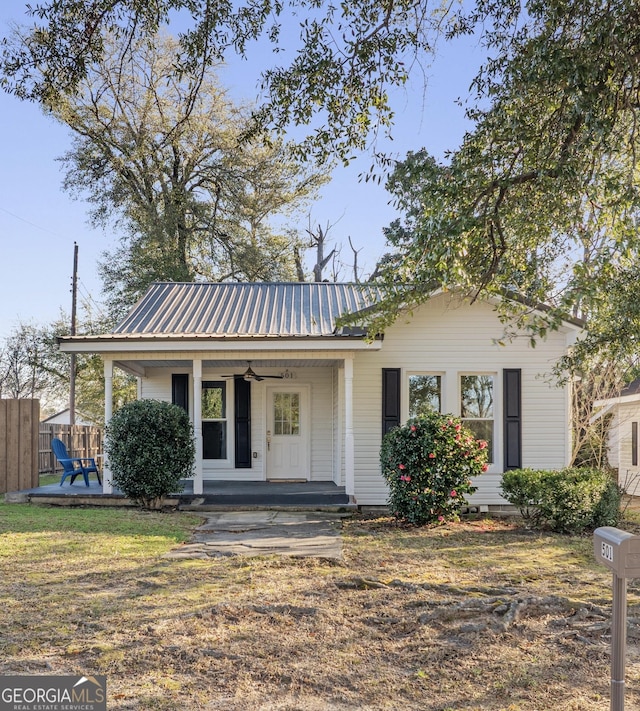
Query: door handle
268	440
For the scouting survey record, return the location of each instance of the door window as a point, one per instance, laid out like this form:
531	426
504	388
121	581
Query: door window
286	413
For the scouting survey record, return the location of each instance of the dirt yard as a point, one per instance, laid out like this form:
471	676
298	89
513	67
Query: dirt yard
477	615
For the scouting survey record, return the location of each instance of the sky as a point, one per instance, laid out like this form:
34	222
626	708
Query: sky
39	223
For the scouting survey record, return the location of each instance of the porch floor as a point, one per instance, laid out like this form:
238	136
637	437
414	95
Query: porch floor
217	495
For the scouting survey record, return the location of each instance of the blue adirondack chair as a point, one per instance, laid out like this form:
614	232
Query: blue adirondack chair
73	466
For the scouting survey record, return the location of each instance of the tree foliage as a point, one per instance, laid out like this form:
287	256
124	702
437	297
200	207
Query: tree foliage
24	367
32	366
163	156
341	62
540	200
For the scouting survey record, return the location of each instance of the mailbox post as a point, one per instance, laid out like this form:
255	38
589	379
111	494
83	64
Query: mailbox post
620	552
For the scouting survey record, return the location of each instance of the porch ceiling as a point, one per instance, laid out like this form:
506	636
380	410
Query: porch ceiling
138	366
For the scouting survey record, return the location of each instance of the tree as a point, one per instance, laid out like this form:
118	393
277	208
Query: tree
163	156
541	199
345	59
32	366
22	358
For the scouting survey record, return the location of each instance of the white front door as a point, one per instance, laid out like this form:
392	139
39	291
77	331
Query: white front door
288	440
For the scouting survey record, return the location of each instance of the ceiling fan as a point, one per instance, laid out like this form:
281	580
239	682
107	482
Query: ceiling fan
249	375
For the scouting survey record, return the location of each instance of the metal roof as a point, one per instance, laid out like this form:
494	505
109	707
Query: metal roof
246	309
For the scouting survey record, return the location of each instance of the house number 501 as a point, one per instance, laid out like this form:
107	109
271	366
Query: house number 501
607	551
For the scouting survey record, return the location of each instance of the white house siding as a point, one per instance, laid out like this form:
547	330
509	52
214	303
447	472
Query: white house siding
446	337
620	454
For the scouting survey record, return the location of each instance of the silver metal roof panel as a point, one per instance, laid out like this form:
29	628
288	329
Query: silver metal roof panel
241	309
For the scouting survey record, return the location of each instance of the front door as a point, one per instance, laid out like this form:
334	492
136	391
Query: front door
288	452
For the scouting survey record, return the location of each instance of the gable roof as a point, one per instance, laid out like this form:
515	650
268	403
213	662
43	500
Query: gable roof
247	310
630	393
199	313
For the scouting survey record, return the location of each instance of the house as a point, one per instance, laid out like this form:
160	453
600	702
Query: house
277	389
64	418
622	439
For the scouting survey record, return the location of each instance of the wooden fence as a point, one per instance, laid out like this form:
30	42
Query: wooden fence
81	441
19	422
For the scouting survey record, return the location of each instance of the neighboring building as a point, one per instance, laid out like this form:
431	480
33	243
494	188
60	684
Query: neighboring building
64	418
622	442
328	394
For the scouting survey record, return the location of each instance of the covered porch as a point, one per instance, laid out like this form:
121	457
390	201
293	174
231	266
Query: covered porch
290	423
265	372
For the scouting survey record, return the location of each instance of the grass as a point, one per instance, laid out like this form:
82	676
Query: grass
477	615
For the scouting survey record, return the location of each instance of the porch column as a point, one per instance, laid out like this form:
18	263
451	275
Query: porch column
198	486
107	486
349	456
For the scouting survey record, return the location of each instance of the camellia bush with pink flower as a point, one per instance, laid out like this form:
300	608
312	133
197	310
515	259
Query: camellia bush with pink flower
428	464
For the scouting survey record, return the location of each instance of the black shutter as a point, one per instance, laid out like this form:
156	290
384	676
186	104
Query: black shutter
242	395
180	390
390	399
512	419
634	444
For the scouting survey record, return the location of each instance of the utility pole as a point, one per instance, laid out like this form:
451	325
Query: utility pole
74	300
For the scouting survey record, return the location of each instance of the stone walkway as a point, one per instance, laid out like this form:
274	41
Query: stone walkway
254	533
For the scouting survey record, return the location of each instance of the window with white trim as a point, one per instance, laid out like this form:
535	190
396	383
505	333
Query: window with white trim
214	419
477	407
425	394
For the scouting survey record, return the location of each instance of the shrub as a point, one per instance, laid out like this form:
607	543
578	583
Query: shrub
571	500
428	464
150	448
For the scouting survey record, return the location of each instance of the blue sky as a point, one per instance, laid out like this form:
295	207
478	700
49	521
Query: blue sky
39	222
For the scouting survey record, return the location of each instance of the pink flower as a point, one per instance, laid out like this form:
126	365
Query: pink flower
441	518
485	467
482	444
405	477
413	428
432	455
458	427
453	494
401	466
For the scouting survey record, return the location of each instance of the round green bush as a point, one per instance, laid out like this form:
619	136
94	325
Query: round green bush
428	464
150	449
571	500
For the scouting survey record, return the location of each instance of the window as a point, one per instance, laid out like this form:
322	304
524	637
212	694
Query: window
286	413
476	407
425	394
214	420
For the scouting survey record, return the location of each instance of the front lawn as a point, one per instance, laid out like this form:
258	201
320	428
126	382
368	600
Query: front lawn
478	615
